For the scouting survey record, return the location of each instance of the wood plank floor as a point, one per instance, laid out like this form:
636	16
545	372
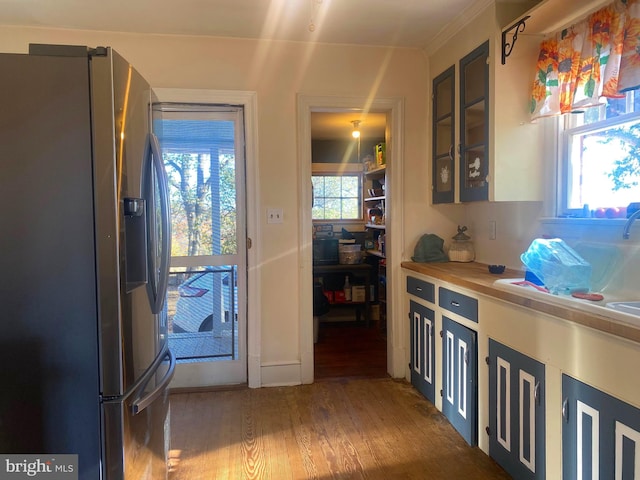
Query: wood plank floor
341	429
349	350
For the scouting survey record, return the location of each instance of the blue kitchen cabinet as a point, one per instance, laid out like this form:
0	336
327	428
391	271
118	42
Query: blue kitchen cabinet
458	303
600	434
516	412
474	125
423	357
460	378
443	134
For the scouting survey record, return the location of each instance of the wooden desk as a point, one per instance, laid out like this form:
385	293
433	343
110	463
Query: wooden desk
357	271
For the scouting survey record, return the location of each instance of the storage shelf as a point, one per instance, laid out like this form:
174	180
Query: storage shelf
376	172
375	253
346	304
377	227
375	199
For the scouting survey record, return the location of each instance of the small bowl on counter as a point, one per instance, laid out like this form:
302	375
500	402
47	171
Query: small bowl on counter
496	269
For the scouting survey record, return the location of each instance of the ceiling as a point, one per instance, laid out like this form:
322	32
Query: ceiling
338	125
400	23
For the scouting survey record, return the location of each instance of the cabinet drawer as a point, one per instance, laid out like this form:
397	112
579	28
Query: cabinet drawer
421	289
455	302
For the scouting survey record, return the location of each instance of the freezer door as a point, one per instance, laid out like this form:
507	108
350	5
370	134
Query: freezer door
49	384
131	224
141	420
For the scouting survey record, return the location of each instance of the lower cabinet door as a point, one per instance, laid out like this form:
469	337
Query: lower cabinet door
422	349
600	434
460	378
516	412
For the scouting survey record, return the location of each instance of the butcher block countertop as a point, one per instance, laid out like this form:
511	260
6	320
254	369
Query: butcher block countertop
475	276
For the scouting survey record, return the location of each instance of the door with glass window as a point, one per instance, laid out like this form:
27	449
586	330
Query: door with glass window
202	149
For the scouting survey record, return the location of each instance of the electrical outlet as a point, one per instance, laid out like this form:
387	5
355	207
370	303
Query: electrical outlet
492	230
275	215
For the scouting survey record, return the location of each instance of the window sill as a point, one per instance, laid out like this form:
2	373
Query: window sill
600	222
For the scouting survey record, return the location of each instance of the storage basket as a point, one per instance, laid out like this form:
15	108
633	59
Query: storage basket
350	254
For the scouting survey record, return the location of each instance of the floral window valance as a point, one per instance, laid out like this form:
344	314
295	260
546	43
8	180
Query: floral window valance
597	57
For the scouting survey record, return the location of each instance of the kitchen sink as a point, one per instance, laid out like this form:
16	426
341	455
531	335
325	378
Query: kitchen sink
615	307
632	308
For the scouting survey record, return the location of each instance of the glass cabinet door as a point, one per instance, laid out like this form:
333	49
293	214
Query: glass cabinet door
443	136
474	124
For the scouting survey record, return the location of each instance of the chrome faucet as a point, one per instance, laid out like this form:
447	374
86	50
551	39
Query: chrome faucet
627	226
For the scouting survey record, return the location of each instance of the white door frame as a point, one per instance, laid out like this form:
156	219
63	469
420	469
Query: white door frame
396	328
248	100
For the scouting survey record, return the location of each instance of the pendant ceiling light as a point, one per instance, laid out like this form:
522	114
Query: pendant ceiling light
356	129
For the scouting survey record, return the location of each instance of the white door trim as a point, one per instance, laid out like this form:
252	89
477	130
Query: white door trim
249	101
396	328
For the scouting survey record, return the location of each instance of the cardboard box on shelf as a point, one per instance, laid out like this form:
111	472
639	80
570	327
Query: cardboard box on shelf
357	293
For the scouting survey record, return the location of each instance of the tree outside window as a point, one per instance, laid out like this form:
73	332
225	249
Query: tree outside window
603	158
337	197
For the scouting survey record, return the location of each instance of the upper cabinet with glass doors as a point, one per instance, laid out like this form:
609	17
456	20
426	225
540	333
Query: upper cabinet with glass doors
474	125
444	136
495	150
472	148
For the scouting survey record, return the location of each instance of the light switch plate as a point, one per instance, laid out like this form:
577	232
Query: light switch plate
275	215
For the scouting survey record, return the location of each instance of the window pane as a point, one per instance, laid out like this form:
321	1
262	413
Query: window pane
443	136
199	156
474	124
201	304
332	187
474	89
475	175
349	208
603	164
350	186
332	208
337	197
604	168
443	94
318	187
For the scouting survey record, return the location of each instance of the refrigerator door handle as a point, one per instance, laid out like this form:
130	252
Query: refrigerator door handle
140	403
165	251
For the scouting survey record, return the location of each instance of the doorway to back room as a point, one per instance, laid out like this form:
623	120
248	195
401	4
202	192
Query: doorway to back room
347	214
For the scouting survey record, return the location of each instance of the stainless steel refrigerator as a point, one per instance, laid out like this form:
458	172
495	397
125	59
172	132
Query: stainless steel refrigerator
84	256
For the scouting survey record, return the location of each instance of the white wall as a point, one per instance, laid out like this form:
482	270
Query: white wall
278	72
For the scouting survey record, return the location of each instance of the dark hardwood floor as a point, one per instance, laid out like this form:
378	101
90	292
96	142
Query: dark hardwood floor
353	422
350	350
362	428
